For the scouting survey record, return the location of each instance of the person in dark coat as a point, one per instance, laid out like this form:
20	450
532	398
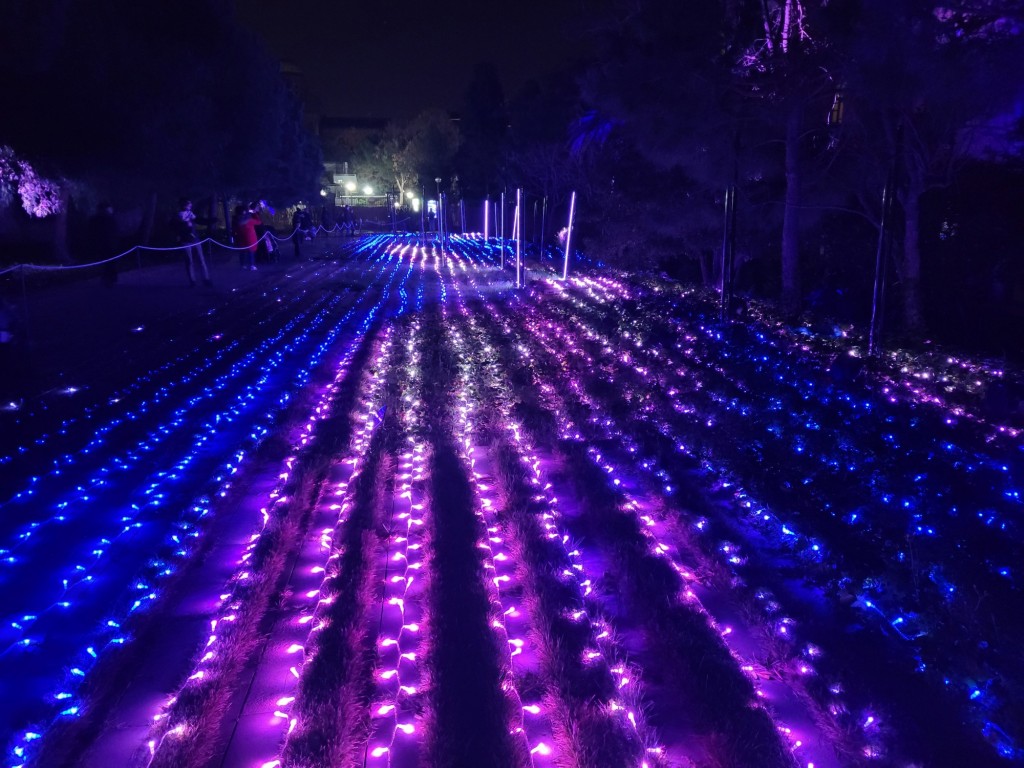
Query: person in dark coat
300	229
185	223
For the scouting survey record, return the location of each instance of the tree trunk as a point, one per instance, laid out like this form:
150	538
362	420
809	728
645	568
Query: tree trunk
791	217
148	220
60	229
707	266
913	317
229	231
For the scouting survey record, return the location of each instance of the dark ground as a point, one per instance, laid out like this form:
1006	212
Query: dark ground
74	329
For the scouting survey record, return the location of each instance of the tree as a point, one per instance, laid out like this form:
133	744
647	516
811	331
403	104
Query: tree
920	83
148	99
787	70
419	150
483	127
678	129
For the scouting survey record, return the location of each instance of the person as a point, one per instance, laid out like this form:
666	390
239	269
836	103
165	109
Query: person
187	237
103	241
246	221
300	229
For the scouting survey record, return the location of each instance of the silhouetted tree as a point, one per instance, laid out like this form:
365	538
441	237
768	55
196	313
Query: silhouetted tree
418	151
677	127
483	126
924	82
149	99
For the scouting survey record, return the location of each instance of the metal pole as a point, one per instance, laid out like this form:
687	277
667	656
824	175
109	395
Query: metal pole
462	213
885	236
543	220
441	213
728	246
881	257
534	232
568	236
519	238
501	234
487	205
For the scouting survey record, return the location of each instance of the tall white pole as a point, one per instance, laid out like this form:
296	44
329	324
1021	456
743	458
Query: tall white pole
501	234
487	206
568	236
519	238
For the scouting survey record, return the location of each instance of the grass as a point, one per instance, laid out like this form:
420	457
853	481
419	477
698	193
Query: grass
469	716
336	679
116	668
188	735
698	664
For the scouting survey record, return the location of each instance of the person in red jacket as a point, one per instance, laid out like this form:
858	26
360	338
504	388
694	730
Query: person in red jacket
246	221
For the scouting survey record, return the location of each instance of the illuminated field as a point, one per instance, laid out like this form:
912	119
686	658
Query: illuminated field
398	513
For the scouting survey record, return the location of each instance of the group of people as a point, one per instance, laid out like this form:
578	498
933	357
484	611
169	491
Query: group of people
248	233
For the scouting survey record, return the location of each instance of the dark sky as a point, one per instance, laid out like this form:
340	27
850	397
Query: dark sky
393	58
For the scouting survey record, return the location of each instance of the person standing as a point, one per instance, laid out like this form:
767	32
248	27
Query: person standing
246	222
189	240
300	230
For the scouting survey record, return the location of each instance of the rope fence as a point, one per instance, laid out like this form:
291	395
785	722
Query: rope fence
266	236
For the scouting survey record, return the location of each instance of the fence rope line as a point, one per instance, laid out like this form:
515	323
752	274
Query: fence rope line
265	236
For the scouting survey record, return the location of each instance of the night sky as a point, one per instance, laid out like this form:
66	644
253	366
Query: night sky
397	58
